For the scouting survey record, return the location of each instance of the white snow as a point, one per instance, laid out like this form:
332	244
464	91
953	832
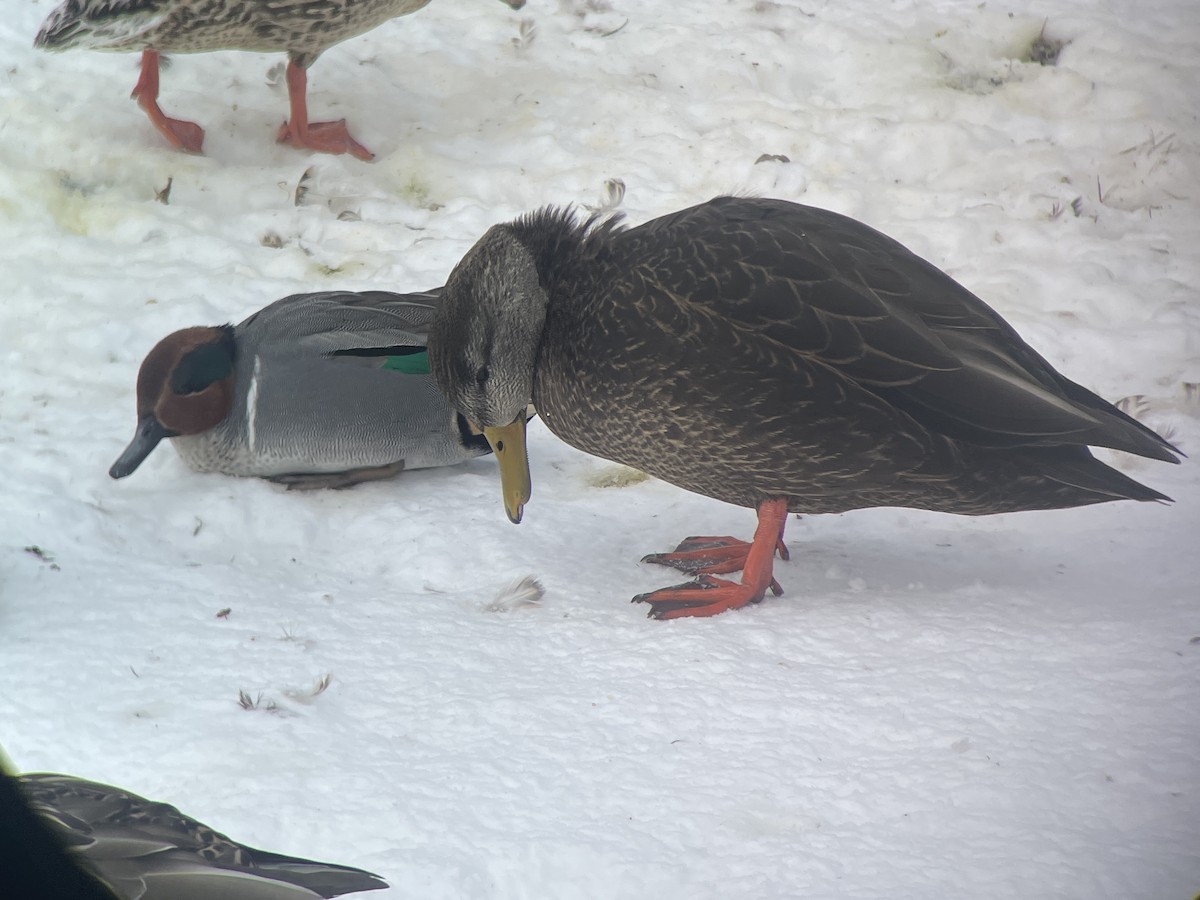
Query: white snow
938	707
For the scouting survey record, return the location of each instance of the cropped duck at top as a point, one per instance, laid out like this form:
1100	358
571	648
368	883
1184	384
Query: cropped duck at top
771	355
303	30
314	390
65	837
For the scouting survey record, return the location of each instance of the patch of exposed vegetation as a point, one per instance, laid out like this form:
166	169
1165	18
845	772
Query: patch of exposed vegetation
1044	50
248	703
616	477
44	555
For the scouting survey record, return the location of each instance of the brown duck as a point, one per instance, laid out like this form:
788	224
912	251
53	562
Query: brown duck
771	355
304	30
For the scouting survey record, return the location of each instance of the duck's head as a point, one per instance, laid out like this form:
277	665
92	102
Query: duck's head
185	386
483	346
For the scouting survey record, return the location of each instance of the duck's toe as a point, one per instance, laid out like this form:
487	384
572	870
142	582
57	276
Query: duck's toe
706	596
180	133
324	137
186	136
709	554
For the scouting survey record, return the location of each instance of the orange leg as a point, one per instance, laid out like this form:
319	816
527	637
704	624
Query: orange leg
183	135
707	596
325	137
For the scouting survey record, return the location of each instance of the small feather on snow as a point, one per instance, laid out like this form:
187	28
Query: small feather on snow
524	591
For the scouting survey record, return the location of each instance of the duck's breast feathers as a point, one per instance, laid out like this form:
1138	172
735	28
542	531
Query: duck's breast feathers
102	23
864	308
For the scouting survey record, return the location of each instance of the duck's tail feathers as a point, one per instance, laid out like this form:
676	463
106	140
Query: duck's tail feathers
1121	431
326	879
117	24
1085	472
59	31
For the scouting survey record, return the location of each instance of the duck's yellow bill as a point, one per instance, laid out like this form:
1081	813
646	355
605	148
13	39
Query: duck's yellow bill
508	443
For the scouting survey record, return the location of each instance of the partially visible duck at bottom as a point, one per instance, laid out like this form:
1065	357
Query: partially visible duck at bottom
771	355
64	837
313	391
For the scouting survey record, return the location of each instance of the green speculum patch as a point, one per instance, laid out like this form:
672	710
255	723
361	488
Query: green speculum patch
410	363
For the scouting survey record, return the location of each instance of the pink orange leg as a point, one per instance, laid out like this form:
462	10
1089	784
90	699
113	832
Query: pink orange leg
707	596
324	137
183	135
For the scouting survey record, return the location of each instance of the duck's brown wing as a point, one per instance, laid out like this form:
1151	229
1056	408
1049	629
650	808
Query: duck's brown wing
867	309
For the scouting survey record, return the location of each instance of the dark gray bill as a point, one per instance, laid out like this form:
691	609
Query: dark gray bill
149	432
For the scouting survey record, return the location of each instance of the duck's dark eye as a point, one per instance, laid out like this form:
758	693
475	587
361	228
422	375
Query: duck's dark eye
482	374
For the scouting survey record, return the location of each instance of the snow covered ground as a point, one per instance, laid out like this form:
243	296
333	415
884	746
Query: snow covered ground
938	707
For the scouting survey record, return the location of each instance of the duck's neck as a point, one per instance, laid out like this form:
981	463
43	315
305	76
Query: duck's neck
558	241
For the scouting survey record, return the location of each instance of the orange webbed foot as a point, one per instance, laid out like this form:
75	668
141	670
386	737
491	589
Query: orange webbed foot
713	555
181	134
706	596
706	556
324	137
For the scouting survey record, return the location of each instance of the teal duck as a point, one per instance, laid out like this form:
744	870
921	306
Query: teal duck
771	355
119	846
304	30
314	390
